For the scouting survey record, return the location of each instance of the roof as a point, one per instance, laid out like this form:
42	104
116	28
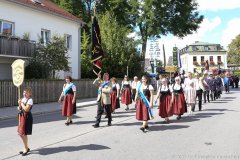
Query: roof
197	43
49	7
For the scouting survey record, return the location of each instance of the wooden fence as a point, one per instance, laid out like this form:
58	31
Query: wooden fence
44	91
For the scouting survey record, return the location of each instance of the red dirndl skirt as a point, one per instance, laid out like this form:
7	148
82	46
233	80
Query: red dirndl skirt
126	96
141	110
25	123
165	108
68	108
179	104
114	101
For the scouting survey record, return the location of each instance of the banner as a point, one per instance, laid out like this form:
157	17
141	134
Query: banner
97	51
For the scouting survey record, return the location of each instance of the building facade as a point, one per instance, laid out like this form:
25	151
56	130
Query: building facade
36	19
194	57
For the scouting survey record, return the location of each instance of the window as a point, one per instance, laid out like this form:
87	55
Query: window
6	28
45	36
211	58
202	58
194	58
194	48
68	41
206	48
219	58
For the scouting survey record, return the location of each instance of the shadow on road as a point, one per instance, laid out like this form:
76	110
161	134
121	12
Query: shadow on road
55	150
166	127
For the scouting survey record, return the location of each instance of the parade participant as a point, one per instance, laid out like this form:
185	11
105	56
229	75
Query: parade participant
218	82
226	82
144	101
69	101
25	119
206	86
105	101
190	96
134	86
198	82
165	104
212	87
159	82
126	92
178	100
115	95
236	81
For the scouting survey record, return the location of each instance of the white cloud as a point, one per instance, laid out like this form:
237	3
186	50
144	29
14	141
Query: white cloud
215	5
205	28
230	32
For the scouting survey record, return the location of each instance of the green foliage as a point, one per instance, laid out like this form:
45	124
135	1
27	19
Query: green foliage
86	65
119	51
48	59
234	51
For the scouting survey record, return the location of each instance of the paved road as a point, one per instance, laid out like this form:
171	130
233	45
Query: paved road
213	133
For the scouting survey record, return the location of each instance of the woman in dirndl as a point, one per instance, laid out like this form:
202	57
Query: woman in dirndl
25	119
178	100
165	107
126	92
134	86
115	95
69	101
144	101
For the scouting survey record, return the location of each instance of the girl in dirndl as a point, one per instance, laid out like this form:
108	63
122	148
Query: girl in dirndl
178	100
25	119
144	91
190	96
165	107
69	101
126	92
115	95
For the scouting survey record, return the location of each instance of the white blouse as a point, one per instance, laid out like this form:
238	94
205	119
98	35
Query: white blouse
150	87
117	85
67	85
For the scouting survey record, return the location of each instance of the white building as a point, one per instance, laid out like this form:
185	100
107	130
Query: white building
39	19
194	56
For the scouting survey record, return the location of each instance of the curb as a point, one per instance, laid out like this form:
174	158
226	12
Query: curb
79	105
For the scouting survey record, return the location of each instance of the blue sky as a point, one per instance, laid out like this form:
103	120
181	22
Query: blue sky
221	24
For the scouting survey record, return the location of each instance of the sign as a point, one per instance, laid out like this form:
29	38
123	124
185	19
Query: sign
170	68
18	72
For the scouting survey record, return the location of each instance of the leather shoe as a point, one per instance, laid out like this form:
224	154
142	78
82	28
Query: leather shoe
95	125
25	153
109	124
21	152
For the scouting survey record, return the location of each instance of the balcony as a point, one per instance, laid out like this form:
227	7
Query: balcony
12	46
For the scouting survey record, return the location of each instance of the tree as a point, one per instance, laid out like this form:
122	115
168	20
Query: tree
119	50
154	18
50	58
234	51
86	65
